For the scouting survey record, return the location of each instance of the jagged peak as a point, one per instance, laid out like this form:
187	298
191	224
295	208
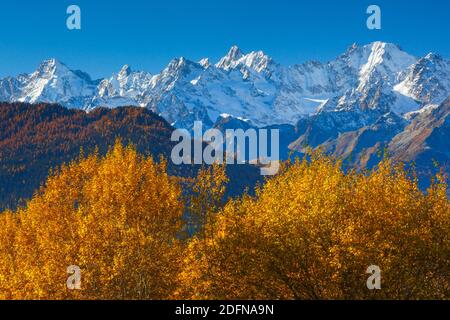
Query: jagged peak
375	46
231	58
51	65
391	50
204	62
125	71
181	64
235	52
126	68
50	62
256	60
176	63
433	57
382	45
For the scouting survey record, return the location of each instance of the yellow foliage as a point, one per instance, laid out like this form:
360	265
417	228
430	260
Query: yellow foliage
207	197
117	218
312	232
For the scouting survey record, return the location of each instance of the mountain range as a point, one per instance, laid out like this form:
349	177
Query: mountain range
370	98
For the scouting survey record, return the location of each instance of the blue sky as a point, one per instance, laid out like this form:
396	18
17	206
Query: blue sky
148	34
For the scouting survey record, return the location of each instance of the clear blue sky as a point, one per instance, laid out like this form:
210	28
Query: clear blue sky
147	34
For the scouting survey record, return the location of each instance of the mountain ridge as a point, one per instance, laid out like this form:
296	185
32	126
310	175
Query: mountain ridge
37	138
368	99
253	86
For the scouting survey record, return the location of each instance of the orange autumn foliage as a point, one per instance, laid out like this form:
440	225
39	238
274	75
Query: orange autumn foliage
312	231
308	233
116	218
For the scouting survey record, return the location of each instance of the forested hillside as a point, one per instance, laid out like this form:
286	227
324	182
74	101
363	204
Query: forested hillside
36	138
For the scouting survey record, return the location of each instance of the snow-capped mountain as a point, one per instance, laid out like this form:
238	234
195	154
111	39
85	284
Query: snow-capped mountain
379	76
369	99
426	80
53	81
124	88
350	92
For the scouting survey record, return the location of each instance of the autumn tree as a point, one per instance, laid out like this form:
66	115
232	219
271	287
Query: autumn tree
116	217
312	231
206	197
